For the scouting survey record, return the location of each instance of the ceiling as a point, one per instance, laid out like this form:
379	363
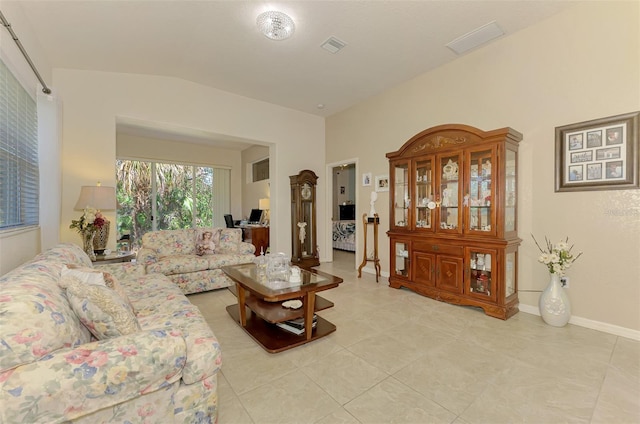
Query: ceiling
216	43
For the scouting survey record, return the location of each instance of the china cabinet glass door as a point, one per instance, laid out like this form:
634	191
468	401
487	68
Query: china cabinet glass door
481	270
480	198
425	200
510	275
449	196
401	195
510	192
401	258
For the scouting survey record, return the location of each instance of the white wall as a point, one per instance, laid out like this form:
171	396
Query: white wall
16	247
93	101
580	65
252	192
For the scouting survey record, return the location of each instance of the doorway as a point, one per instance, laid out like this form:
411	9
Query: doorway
342	210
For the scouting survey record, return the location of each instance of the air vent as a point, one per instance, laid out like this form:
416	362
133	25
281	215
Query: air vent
476	38
333	45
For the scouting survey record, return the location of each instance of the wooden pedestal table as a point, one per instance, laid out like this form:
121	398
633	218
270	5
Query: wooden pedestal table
366	222
260	308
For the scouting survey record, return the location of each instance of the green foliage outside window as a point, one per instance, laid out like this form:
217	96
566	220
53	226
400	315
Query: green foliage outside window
180	190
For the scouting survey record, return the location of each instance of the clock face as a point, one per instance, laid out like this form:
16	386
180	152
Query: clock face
306	192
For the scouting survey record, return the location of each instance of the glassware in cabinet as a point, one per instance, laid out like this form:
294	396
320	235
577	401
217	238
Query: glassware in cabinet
401	195
402	258
480	198
510	187
449	195
481	266
425	199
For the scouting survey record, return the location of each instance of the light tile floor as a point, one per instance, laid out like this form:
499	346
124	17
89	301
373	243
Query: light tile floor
398	357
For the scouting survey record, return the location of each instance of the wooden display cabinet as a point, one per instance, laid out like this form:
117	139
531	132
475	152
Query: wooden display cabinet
258	236
453	229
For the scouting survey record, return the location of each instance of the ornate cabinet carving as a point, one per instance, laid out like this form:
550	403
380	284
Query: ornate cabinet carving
304	241
453	229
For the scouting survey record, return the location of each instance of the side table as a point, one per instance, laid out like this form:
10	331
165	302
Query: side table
114	258
376	261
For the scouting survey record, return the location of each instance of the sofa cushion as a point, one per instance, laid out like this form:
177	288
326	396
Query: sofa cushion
170	242
225	259
163	306
207	240
100	309
178	264
230	239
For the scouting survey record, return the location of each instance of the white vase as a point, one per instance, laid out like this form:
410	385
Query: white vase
555	308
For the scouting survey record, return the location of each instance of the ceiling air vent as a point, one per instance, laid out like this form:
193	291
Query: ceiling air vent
333	45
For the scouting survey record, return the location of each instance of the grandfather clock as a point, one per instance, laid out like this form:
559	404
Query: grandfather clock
304	241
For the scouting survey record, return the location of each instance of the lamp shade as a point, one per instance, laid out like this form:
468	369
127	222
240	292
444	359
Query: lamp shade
264	204
99	197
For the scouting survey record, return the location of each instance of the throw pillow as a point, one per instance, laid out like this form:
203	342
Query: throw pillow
207	240
85	274
100	309
94	276
114	285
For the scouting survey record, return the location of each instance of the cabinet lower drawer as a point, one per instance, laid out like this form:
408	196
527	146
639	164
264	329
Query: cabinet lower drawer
438	248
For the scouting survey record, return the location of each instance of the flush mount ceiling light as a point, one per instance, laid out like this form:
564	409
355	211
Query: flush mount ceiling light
275	25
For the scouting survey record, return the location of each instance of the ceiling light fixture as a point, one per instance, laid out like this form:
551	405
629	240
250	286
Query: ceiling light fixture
275	25
476	38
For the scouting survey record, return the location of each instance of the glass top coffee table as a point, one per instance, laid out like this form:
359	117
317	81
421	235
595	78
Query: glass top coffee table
259	309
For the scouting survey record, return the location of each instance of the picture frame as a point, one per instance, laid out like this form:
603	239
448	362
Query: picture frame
366	179
382	183
601	154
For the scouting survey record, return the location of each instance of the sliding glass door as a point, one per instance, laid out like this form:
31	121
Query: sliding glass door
165	196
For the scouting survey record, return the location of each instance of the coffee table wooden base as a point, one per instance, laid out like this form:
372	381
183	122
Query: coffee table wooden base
259	308
274	339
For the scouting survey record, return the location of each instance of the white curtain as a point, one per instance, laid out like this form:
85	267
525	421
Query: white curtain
49	151
221	195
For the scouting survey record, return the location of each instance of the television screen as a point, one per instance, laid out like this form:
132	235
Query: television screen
256	216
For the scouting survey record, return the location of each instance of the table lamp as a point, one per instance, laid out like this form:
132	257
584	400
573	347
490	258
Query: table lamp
264	205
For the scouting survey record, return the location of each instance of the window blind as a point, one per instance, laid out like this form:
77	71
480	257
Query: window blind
19	174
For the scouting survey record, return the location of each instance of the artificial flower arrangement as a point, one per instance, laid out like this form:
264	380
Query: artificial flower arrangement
557	257
90	220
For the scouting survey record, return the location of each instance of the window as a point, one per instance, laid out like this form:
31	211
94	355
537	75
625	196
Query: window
184	196
260	170
19	174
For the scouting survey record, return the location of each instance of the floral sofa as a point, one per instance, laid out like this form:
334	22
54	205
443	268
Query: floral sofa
174	254
54	368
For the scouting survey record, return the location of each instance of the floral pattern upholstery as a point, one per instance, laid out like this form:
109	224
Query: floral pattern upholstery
173	253
52	371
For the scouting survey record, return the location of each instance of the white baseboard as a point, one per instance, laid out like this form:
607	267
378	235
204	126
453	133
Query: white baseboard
588	323
582	322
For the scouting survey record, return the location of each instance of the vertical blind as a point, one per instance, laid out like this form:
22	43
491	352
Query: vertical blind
19	177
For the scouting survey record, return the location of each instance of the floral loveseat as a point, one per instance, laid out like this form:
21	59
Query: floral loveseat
174	254
52	369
